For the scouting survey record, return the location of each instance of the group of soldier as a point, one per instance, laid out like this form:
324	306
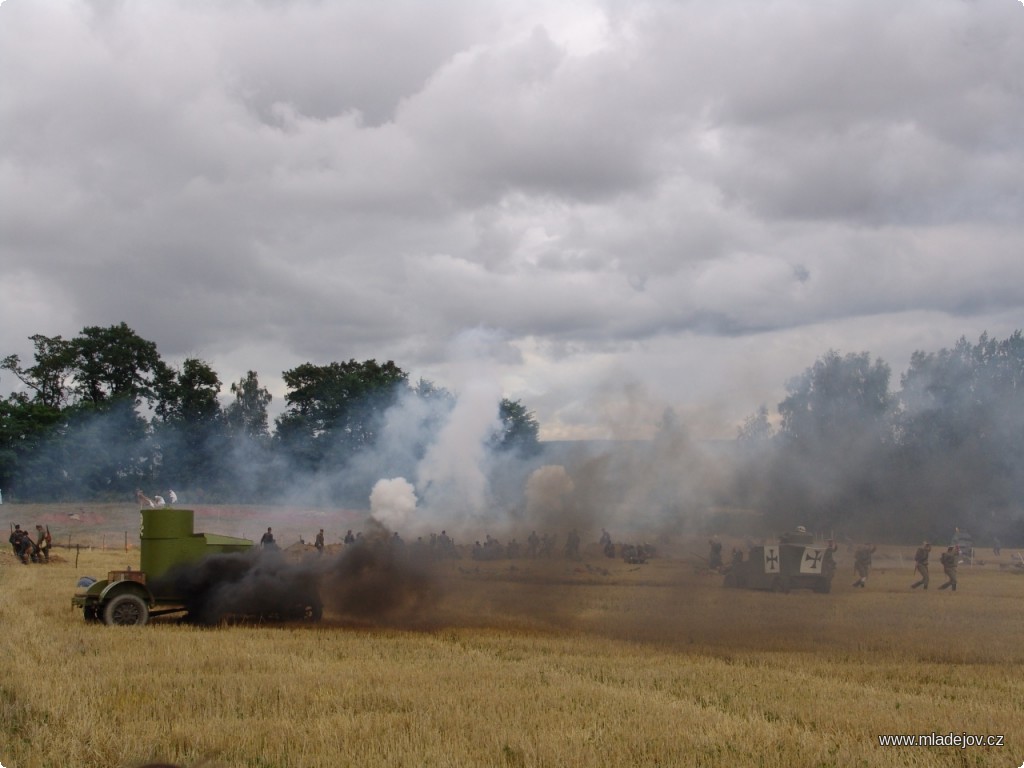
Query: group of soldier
947	559
441	546
28	549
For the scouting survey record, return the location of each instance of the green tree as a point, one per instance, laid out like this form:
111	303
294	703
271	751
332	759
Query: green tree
961	432
114	363
247	415
335	410
30	462
836	440
757	429
837	402
190	429
519	429
55	363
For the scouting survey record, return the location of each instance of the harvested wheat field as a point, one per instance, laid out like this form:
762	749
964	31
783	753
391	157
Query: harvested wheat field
527	663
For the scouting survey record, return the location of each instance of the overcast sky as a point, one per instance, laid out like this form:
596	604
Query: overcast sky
610	208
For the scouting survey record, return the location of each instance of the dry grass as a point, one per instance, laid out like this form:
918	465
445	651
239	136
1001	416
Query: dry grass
553	664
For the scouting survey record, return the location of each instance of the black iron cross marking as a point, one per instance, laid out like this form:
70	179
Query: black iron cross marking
814	556
771	560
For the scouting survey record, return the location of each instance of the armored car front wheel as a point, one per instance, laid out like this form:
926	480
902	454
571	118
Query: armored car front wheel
126	611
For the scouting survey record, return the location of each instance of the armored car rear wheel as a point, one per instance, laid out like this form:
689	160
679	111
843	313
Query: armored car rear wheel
126	611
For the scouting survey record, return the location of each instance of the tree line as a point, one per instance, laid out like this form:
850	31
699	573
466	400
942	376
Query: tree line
846	453
101	415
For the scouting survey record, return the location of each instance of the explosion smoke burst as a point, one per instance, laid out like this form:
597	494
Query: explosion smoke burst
393	502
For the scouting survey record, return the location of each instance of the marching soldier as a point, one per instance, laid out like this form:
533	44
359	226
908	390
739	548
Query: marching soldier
862	563
948	560
921	565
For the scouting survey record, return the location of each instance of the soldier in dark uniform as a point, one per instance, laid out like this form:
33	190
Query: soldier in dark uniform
715	555
267	542
319	542
862	563
828	560
572	545
921	565
948	560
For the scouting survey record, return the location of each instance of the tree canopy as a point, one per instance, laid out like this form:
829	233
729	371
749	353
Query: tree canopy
102	414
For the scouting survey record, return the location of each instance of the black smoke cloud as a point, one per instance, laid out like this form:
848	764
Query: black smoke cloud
375	580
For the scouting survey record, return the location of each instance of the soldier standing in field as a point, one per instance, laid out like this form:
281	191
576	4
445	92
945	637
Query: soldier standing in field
862	563
715	555
948	560
43	541
319	542
921	565
828	560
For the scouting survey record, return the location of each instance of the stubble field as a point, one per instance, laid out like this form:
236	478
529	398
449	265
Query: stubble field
527	663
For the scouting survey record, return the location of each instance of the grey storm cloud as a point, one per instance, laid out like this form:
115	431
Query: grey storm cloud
700	197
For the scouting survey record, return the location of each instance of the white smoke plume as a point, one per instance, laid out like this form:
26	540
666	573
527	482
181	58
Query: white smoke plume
452	476
393	502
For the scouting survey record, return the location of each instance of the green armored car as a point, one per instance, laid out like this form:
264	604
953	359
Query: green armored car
172	555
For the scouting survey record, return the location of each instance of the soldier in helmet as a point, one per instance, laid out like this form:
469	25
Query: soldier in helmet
862	563
948	560
921	565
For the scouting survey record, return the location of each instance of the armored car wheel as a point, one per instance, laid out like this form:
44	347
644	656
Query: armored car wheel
126	611
780	584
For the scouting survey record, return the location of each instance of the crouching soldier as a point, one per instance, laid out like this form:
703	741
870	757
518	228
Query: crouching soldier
43	542
948	560
921	565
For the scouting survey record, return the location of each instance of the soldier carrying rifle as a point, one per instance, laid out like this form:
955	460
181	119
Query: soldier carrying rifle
921	565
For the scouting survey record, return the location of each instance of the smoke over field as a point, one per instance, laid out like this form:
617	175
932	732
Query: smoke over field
372	580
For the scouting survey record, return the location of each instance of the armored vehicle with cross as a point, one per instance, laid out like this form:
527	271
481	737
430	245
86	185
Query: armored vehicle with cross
795	562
